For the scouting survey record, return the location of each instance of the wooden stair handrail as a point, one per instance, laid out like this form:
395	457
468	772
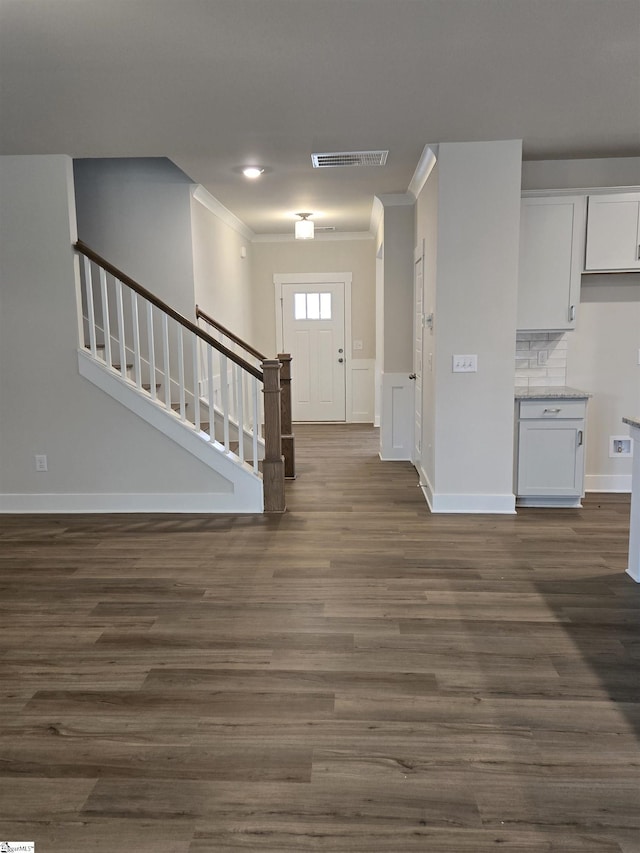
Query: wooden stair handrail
229	334
179	318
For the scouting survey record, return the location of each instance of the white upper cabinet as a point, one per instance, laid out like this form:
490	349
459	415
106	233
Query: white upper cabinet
613	232
551	253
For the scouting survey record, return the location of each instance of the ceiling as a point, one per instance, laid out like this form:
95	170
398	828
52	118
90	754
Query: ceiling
216	84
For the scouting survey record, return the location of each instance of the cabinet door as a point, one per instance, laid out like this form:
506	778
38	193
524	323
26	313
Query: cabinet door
613	232
550	458
551	246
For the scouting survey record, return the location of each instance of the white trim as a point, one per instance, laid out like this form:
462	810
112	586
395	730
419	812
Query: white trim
362	373
607	482
397	199
323	237
343	278
204	197
424	168
178	502
579	191
377	214
245	494
396	417
473	504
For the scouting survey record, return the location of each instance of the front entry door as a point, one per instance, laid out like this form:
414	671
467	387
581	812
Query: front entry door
313	332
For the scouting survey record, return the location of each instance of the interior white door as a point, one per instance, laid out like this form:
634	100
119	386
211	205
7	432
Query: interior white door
313	332
418	333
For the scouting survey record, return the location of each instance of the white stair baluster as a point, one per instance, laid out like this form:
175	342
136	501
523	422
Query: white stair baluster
183	407
165	361
256	398
238	383
91	318
135	323
212	413
152	351
224	393
106	324
196	383
121	342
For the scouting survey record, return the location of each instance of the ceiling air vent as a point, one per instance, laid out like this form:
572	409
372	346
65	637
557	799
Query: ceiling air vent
335	159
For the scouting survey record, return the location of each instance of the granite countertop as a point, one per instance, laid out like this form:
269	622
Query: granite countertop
634	422
548	392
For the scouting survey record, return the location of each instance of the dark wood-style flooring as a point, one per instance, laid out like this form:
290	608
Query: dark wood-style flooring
356	675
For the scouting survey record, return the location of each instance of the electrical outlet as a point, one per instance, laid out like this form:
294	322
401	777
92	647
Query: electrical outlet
41	462
357	345
465	363
543	356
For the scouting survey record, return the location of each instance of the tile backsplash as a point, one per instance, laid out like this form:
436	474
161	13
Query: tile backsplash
541	359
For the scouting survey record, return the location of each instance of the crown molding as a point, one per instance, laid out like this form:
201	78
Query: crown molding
425	165
396	199
204	197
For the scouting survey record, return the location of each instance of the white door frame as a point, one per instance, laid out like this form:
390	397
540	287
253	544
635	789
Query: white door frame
418	322
320	278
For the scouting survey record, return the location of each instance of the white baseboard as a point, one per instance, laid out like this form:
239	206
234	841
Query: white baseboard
607	483
216	502
471	504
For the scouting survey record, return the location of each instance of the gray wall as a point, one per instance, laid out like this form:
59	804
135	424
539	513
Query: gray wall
94	445
137	214
399	234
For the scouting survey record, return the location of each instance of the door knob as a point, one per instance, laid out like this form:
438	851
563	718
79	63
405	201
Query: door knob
341	360
340	350
412	376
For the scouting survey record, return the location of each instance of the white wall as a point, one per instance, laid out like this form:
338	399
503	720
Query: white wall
569	174
427	223
602	352
475	313
222	277
394	290
136	213
603	359
98	452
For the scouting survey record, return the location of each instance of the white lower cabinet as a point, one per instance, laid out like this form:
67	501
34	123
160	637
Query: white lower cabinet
550	452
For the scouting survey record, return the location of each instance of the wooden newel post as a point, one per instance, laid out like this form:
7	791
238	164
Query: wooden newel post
273	464
288	441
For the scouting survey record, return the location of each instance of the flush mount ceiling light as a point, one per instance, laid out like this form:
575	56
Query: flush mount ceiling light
304	227
252	172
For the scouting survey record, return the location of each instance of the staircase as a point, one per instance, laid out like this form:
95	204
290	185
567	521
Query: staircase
219	405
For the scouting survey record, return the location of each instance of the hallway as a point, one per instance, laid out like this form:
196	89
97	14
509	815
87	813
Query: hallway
355	675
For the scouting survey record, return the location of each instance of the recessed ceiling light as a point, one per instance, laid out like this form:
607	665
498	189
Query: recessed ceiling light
252	171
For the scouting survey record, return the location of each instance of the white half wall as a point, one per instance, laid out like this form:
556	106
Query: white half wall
396	429
361	402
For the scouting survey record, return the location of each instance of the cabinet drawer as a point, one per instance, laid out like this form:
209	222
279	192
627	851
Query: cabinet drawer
553	409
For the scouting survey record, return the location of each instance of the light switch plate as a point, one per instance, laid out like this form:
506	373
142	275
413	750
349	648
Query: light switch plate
465	363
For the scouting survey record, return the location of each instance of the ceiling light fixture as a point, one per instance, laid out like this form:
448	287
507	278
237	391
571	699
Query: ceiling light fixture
304	227
252	172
